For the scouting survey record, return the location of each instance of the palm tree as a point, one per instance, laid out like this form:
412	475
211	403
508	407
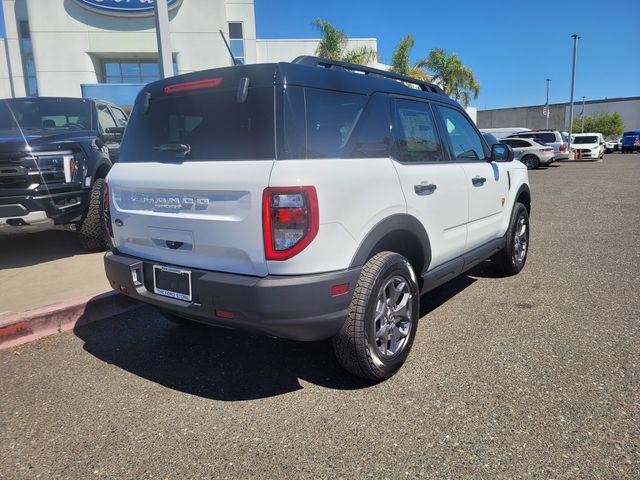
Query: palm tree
333	46
455	78
400	62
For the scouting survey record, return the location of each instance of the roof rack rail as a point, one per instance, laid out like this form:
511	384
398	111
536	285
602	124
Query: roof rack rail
326	63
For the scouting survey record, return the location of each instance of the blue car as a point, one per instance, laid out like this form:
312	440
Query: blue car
631	141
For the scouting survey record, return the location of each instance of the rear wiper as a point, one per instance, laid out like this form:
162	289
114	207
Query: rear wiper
183	148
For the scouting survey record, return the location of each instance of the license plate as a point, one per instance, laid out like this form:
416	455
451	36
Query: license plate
172	282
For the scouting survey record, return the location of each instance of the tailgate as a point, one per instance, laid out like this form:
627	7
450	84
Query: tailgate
204	215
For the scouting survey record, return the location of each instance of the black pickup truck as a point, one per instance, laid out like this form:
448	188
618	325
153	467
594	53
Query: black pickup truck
54	156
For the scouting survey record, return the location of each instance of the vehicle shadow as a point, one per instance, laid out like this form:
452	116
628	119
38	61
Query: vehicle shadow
26	249
223	364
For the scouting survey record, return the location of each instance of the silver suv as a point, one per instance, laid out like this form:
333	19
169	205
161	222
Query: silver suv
553	138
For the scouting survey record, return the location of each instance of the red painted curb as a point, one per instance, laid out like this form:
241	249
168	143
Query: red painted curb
60	317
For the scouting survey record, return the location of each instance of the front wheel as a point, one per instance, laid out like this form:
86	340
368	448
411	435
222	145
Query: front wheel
91	230
531	162
377	335
511	259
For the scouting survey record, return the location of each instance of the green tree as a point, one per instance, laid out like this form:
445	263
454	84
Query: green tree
608	124
400	62
333	45
455	78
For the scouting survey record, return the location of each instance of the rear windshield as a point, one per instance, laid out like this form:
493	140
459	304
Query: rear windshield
50	114
212	125
585	140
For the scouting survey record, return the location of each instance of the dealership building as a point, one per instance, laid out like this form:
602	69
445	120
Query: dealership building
107	49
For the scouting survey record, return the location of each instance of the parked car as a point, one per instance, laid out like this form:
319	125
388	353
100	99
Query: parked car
590	145
610	146
619	145
630	141
322	209
501	133
553	138
54	156
530	152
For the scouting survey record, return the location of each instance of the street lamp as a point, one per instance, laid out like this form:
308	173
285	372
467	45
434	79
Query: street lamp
573	82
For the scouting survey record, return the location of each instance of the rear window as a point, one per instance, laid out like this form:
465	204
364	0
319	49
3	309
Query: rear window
547	137
212	124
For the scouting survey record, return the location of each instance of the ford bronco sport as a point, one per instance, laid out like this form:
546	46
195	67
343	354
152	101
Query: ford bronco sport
309	200
54	156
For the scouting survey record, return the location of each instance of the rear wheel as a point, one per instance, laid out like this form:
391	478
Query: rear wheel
91	230
531	161
378	333
511	259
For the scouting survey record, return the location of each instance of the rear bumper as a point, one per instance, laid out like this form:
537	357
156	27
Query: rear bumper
295	307
562	155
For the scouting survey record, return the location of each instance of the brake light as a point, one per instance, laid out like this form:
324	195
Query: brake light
195	85
290	220
563	147
107	211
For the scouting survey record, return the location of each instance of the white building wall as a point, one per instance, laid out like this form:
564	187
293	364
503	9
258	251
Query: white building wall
5	81
12	11
629	110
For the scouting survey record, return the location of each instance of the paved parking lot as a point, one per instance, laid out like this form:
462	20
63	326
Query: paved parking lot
530	376
40	269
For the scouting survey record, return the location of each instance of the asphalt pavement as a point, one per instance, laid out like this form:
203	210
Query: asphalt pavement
533	376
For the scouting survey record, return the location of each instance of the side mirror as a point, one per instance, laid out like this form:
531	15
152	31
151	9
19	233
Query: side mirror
501	152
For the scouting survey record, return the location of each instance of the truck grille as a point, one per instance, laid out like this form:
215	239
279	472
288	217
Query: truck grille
24	172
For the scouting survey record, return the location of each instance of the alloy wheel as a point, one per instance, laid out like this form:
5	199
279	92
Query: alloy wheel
392	318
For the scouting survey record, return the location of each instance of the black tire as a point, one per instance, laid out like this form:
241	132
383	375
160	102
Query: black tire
356	345
531	161
177	319
91	230
507	261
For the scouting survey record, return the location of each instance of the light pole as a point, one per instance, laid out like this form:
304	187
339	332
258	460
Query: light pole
165	57
548	113
582	129
573	82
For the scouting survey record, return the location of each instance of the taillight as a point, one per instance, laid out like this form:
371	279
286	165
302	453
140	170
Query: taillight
563	147
290	220
107	211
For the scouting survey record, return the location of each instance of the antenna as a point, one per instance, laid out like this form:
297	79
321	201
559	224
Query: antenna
233	59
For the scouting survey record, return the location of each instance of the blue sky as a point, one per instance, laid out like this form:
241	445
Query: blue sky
511	46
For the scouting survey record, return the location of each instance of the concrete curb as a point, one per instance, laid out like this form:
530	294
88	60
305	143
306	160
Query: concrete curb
41	322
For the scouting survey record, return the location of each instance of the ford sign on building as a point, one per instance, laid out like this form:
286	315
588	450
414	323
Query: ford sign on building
124	7
107	49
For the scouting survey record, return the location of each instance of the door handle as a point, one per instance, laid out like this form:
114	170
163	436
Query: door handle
425	188
478	181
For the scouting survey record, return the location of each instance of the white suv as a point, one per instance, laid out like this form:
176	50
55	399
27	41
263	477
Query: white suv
308	200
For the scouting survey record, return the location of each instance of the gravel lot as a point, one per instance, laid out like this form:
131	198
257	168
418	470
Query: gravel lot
530	376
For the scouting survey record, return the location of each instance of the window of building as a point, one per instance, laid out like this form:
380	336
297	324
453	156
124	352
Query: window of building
28	64
132	71
236	41
416	136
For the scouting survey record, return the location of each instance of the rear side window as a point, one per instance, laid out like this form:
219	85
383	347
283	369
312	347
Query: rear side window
331	120
516	143
547	137
416	138
331	124
212	123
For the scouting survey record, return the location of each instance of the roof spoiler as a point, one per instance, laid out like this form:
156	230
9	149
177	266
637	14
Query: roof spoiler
326	63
